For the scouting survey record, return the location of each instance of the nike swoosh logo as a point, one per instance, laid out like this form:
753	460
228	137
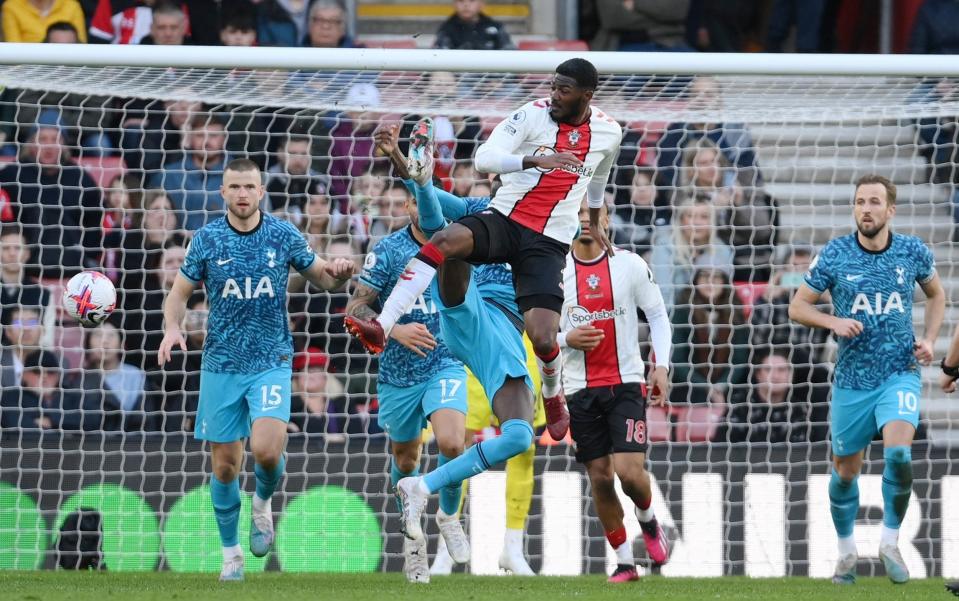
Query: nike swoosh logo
853	278
223	261
444	401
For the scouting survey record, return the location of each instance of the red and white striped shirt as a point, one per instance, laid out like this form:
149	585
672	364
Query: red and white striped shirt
606	292
548	202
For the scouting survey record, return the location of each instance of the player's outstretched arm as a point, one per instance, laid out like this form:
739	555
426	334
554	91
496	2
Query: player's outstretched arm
498	153
329	275
935	311
174	309
946	381
803	309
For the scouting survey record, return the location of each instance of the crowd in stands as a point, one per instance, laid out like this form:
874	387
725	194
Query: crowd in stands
689	197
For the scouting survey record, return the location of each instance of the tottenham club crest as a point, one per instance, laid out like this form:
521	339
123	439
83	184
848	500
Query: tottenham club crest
592	281
573	138
901	272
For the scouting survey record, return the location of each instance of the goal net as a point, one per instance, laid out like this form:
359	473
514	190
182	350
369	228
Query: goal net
728	182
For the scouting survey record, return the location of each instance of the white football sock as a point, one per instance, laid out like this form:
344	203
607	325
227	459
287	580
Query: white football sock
414	282
889	536
261	505
847	546
624	553
231	552
552	373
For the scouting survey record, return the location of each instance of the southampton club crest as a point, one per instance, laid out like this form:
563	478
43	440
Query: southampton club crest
592	281
573	138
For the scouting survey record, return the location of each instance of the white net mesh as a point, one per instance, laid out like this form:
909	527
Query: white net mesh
740	482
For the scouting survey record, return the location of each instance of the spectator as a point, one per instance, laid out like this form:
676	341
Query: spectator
769	321
632	225
168	26
62	32
679	248
463	176
121	21
59	205
733	140
28	20
238	25
318	405
710	344
327	26
156	136
938	136
721	26
142	316
934	29
182	377
123	387
805	15
747	216
777	407
41	403
282	22
290	178
352	148
16	287
142	244
118	216
481	189
22	334
193	182
641	25
319	223
470	29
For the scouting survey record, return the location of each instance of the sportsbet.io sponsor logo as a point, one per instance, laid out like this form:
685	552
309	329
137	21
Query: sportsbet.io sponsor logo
545	151
579	316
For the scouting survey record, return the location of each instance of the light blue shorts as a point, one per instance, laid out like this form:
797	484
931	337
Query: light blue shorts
405	409
229	403
858	415
481	335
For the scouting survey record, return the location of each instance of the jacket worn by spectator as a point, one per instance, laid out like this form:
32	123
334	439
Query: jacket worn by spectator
935	30
194	190
60	208
23	408
625	22
484	34
22	22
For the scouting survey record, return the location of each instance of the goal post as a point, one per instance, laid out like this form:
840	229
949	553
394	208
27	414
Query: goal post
763	148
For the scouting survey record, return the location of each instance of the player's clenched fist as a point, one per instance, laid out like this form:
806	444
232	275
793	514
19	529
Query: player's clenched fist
340	269
847	328
386	135
170	338
922	350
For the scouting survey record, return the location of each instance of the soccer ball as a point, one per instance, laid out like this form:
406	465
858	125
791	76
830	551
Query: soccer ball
90	298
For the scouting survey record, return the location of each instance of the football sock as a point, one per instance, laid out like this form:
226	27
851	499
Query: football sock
395	476
226	508
449	495
843	503
515	437
896	485
412	283
513	540
550	366
519	488
266	481
428	208
617	540
644	510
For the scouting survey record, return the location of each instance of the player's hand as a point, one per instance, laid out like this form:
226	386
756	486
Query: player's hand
584	338
340	269
598	233
947	383
922	350
558	160
386	136
659	387
847	328
414	336
171	337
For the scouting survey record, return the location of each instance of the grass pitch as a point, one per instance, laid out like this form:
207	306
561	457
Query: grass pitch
106	586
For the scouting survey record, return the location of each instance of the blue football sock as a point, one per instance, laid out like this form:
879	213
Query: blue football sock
515	437
449	495
843	503
396	475
430	213
266	480
226	507
896	485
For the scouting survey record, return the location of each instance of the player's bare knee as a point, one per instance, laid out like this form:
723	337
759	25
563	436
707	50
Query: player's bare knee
450	446
226	471
266	457
405	463
544	340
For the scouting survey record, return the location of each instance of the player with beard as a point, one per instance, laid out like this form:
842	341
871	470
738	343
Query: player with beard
550	153
871	275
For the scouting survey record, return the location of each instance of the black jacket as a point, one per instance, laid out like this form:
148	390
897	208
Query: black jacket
935	31
485	34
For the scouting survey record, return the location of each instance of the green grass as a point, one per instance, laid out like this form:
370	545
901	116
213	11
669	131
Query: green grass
66	586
